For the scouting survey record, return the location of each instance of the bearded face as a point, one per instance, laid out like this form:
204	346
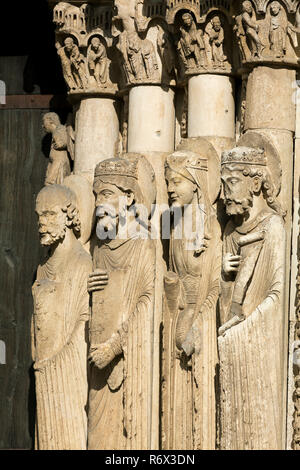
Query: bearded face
52	224
238	196
110	205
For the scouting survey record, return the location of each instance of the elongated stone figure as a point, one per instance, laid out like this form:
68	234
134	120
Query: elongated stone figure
191	291
59	326
251	335
121	328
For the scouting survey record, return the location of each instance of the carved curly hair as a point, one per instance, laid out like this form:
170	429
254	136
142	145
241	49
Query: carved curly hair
73	217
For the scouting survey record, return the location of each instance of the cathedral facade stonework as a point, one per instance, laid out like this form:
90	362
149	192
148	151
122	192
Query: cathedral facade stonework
166	313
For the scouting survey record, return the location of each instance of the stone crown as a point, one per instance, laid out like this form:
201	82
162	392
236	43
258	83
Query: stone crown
116	167
178	161
244	155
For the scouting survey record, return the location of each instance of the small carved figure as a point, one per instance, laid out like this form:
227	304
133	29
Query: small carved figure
73	64
251	29
98	61
251	304
191	44
215	33
61	311
120	329
59	164
278	31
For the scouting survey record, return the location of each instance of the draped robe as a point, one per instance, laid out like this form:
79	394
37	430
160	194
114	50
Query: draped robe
59	349
251	353
120	394
189	386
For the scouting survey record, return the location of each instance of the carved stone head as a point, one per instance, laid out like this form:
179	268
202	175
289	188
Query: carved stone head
50	122
96	44
187	20
115	188
57	212
69	44
244	176
275	8
182	183
216	23
247	7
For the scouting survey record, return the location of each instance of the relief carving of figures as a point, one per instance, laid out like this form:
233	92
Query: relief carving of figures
251	29
73	64
59	324
98	61
191	45
278	31
59	163
139	58
121	285
215	34
191	293
251	302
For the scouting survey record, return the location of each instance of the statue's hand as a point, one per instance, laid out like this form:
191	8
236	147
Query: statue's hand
97	280
231	263
188	344
101	355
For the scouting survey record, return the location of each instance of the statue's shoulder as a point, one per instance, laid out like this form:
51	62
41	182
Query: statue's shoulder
81	258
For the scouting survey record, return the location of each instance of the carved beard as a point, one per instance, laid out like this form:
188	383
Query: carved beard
106	227
50	235
238	206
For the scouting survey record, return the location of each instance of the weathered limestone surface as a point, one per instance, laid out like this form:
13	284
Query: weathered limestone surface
172	322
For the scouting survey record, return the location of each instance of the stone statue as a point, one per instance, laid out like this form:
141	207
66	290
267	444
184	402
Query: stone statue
215	33
73	64
191	44
278	31
191	291
98	61
251	303
251	29
61	311
59	164
121	285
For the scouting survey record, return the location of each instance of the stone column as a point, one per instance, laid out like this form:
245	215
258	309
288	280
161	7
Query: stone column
268	53
272	114
83	42
211	109
97	132
147	56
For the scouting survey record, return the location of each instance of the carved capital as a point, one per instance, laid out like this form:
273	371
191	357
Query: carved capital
267	32
145	45
83	42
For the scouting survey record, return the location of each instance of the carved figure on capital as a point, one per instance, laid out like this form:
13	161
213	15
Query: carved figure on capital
73	64
191	45
98	61
251	29
277	31
215	34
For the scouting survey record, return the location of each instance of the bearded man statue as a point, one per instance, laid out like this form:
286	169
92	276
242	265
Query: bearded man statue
59	326
122	289
251	304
